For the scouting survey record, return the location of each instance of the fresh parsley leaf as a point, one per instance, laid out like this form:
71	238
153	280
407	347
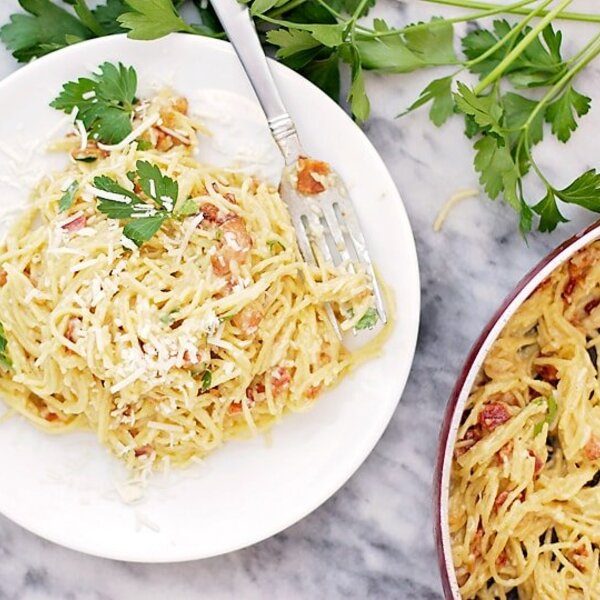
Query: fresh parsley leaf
162	189
86	16
107	15
142	219
141	230
189	207
328	35
517	110
143	145
494	164
388	53
106	184
439	93
357	96
548	211
561	113
262	6
291	41
484	109
68	197
104	102
584	191
206	380
5	361
539	64
368	320
151	19
550	416
45	29
325	74
433	44
351	6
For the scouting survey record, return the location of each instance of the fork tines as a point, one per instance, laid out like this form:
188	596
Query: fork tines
328	221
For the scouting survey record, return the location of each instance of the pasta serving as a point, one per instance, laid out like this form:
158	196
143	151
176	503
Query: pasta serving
162	303
524	499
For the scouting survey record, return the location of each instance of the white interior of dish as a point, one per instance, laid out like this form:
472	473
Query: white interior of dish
474	368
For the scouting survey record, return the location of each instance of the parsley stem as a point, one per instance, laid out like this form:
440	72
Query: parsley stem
568	16
432	25
516	51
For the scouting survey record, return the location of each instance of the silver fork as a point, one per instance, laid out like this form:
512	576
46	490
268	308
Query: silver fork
325	221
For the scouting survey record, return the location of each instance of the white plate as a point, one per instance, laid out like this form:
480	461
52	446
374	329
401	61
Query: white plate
63	488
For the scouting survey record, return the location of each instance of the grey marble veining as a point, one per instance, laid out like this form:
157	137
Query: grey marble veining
374	537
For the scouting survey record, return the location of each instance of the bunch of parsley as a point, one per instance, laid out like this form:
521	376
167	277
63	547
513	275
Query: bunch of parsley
321	38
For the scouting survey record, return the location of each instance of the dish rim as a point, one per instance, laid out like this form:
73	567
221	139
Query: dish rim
411	332
464	383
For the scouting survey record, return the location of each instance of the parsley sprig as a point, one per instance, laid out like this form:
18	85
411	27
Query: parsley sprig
322	38
506	124
143	216
104	102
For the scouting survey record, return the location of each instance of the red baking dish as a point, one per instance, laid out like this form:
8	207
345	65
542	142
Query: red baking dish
464	383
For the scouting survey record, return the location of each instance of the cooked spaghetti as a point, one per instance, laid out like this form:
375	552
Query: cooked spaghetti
209	330
524	498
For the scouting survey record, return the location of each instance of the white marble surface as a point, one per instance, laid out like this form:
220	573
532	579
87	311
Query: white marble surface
374	537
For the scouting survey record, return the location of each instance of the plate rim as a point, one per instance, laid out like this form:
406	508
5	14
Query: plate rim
410	333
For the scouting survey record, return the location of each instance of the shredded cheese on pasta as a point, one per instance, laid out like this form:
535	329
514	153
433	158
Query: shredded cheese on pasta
211	330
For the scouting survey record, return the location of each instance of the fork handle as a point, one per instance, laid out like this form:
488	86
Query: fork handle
235	19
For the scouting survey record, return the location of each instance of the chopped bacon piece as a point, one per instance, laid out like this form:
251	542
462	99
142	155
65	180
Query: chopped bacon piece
3	275
210	212
280	379
505	452
577	269
235	245
248	319
51	416
307	167
493	415
502	559
476	542
72	331
501	499
229	196
578	556
591	305
143	450
547	373
257	388
212	215
75	224
471	437
592	448
539	463
313	391
234	408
